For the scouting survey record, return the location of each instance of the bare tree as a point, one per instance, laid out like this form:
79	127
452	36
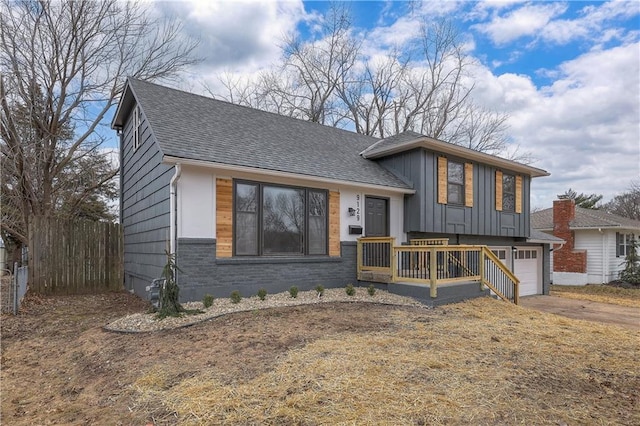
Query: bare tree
424	85
62	68
626	204
369	97
314	70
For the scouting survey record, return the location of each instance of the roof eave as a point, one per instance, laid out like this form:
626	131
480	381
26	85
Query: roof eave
126	101
448	148
541	241
167	159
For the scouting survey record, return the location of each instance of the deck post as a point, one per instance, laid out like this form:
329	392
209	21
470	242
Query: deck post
394	264
433	272
359	261
482	266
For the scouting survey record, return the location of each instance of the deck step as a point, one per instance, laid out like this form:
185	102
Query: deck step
448	293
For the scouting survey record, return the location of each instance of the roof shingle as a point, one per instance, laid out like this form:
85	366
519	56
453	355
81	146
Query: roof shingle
195	127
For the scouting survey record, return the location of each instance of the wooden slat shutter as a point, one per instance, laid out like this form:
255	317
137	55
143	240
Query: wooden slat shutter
468	184
518	194
334	223
224	218
498	190
442	180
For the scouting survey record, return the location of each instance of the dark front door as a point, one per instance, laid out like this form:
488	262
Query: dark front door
376	222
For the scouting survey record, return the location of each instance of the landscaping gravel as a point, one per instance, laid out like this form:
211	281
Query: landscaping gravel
148	322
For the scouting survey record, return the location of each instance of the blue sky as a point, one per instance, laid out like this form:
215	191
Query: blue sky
567	73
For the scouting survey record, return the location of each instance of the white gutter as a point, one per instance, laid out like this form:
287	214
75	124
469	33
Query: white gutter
275	173
173	208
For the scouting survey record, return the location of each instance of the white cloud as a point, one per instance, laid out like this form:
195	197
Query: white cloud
237	34
591	24
524	21
584	128
542	22
484	9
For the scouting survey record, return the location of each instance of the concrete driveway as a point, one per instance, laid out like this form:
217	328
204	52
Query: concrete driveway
585	310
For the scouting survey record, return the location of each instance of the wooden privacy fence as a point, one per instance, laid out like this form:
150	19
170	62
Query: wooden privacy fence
74	256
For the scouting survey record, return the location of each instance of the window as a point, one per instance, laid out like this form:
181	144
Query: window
455	183
623	244
279	220
136	127
526	254
501	254
508	193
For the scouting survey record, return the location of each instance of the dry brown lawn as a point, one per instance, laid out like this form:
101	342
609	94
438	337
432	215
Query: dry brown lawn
600	293
479	362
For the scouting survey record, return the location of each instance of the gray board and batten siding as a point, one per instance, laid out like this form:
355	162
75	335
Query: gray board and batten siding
424	214
145	207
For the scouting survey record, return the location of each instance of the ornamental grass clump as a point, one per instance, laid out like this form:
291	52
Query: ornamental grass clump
320	290
235	297
207	300
371	290
350	290
293	291
262	293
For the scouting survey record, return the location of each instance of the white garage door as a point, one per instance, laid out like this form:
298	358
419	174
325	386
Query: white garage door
528	269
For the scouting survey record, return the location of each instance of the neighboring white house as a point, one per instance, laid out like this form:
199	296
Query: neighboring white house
596	242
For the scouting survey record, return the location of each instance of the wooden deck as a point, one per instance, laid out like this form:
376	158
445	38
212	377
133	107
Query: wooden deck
433	263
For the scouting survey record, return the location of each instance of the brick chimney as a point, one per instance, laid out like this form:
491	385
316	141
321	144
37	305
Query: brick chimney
567	259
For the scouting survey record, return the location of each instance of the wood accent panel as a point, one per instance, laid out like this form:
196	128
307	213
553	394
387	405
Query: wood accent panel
224	217
468	184
334	223
518	194
498	190
442	180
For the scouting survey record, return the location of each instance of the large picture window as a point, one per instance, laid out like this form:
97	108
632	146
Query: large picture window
508	193
279	220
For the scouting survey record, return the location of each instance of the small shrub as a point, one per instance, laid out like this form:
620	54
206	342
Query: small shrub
350	289
207	300
320	290
293	291
262	293
371	290
631	271
235	296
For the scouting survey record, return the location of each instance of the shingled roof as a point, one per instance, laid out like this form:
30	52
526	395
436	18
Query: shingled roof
189	126
584	219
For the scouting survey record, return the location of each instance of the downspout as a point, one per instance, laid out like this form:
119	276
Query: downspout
120	134
173	201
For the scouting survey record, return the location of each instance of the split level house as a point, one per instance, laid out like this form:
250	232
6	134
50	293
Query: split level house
248	199
596	242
